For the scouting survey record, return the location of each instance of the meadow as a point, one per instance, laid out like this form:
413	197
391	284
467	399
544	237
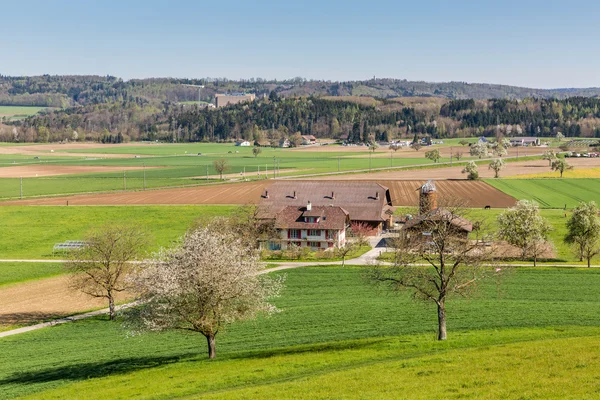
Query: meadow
550	193
31	232
12	113
532	331
17	272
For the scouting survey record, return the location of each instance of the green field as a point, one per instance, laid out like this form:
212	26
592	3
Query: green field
534	334
31	232
550	193
12	113
20	271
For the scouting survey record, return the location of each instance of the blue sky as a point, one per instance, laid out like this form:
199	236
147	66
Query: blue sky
545	44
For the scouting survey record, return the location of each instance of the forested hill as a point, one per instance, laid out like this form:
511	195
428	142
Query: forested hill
68	90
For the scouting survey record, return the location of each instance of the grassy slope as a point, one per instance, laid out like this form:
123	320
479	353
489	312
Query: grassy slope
18	112
331	322
31	232
550	193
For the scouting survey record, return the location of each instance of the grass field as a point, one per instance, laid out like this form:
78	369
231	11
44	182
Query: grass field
31	232
550	193
12	113
338	337
572	174
20	272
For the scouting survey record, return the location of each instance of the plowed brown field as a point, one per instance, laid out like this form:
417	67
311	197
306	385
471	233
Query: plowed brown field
403	193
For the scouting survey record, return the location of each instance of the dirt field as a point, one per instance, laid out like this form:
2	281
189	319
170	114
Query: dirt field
511	169
403	192
30	171
36	301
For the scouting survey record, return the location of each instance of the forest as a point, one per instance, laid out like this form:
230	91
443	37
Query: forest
108	109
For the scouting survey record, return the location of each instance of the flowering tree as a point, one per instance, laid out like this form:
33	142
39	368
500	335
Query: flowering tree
523	226
433	155
479	149
497	165
471	170
209	281
549	155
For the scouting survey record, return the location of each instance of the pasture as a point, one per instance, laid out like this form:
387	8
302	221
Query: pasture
334	332
550	193
31	232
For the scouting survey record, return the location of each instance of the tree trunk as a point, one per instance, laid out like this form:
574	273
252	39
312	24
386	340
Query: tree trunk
111	307
212	352
589	260
441	321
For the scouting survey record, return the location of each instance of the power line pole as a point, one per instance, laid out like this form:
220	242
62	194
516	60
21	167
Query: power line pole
144	176
21	187
338	164
206	171
124	181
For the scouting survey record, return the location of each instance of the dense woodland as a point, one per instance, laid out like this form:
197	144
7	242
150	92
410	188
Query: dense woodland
108	109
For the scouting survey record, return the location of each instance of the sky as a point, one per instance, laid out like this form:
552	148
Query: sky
531	43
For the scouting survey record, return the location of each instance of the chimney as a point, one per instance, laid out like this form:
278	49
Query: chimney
332	195
427	198
376	195
266	194
295	195
309	206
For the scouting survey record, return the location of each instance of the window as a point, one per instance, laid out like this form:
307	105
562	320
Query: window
314	232
314	244
294	233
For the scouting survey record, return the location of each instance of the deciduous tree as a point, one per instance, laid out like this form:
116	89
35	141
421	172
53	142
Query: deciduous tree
471	170
561	165
549	155
497	165
479	149
211	280
221	166
433	155
523	226
99	269
454	264
256	151
584	231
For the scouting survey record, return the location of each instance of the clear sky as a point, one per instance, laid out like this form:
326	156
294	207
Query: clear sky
534	43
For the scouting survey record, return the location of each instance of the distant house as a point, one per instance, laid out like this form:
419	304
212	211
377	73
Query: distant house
316	227
367	203
525	141
223	100
308	139
483	139
284	143
243	143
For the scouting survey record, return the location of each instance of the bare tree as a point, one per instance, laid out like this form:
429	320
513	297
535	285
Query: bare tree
416	146
344	251
435	259
209	281
101	266
221	166
458	155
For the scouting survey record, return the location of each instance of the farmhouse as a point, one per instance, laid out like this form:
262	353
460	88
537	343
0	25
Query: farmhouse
525	141
243	143
308	139
430	215
367	203
317	227
223	100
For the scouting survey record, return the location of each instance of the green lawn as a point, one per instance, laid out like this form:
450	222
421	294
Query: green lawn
31	232
550	193
334	332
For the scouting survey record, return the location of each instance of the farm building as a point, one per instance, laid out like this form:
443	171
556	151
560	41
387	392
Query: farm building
308	139
243	143
419	228
525	141
367	203
223	100
317	227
